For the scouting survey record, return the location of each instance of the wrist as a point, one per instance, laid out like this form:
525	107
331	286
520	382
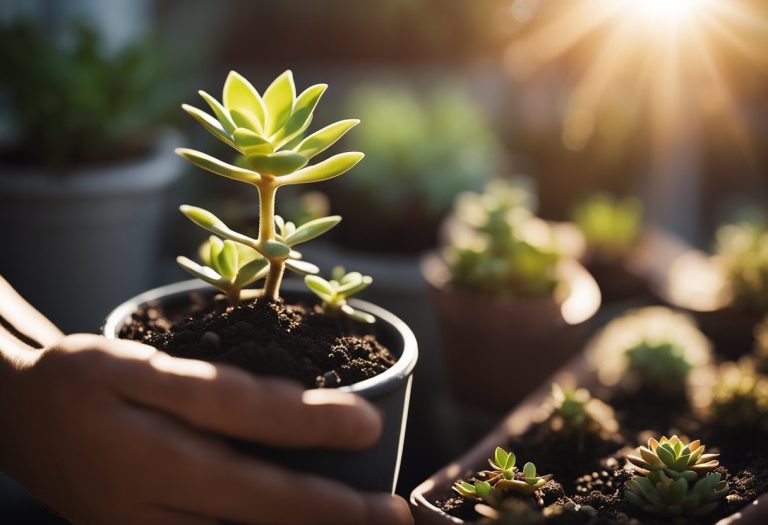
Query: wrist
12	366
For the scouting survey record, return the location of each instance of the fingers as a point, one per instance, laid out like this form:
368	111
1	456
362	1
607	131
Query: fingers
24	318
10	344
228	401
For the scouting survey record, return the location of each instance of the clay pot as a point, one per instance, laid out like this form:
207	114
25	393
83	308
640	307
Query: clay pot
497	351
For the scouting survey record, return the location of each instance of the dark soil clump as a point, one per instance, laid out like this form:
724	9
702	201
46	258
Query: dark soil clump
266	338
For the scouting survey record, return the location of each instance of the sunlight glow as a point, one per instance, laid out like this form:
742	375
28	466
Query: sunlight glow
678	60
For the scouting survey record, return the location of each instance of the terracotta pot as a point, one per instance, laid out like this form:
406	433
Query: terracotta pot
516	424
484	339
374	469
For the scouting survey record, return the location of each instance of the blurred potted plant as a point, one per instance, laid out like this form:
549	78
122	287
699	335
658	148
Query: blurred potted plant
330	342
612	228
504	293
728	291
83	168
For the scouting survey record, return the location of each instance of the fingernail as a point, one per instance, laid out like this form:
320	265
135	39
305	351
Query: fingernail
384	509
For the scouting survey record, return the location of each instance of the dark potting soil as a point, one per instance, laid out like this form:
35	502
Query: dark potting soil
266	338
594	473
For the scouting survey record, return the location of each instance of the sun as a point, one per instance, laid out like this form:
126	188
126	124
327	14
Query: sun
662	62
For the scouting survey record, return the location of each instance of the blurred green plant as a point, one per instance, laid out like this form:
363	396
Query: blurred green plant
268	132
498	248
611	226
652	349
742	250
504	476
740	397
334	293
76	104
574	412
421	150
675	479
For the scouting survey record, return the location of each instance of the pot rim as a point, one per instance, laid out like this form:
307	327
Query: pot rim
386	381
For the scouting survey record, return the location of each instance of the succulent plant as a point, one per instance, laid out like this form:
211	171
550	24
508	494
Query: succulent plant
653	349
665	496
504	476
611	226
675	458
575	411
742	252
477	490
334	293
675	478
268	133
740	397
496	247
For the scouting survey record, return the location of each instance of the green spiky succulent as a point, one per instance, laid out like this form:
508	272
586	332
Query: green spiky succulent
675	458
611	226
267	131
659	365
498	248
740	397
504	476
575	411
675	478
334	293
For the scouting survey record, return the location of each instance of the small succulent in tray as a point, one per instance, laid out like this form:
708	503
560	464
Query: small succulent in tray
498	248
575	412
611	226
675	479
504	476
742	251
740	397
652	349
268	133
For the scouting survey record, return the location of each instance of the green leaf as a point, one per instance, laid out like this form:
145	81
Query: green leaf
320	286
302	114
482	488
279	98
244	119
214	165
511	460
354	287
240	95
274	249
209	123
201	272
251	143
357	315
529	471
328	169
324	138
226	262
666	454
215	245
202	218
221	113
278	164
500	457
251	272
301	267
312	229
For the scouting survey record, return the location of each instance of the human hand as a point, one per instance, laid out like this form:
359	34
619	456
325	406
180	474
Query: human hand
111	431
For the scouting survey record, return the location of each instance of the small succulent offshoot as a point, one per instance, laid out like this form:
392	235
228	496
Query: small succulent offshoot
504	476
334	293
675	479
742	253
740	398
268	133
575	412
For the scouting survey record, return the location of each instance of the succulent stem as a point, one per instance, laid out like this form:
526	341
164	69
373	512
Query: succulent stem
267	191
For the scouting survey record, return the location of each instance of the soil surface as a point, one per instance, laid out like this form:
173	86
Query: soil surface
594	471
266	338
